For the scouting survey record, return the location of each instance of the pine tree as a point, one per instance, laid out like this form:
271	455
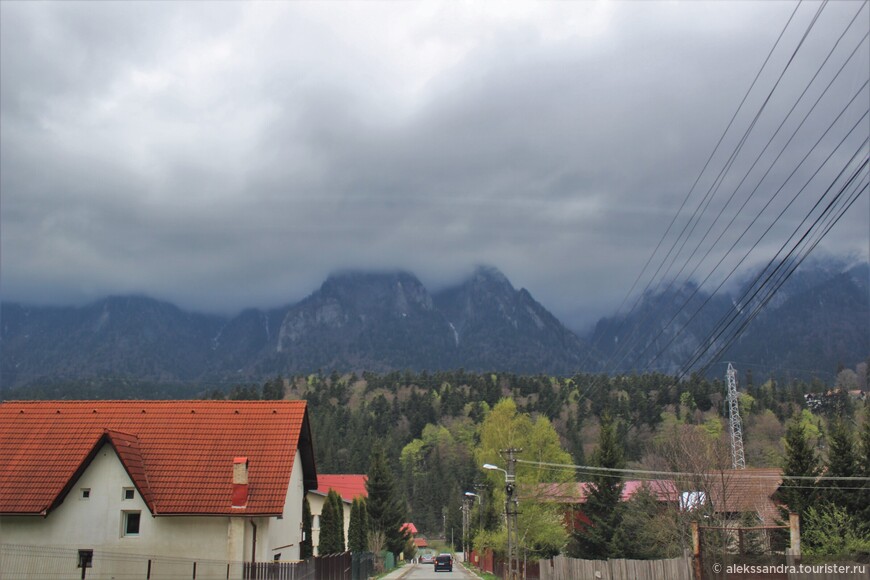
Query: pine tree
864	465
842	462
338	508
385	510
602	505
331	533
306	547
357	533
273	390
801	460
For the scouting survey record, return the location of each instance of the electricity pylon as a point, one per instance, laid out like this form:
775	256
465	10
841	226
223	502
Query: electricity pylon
738	461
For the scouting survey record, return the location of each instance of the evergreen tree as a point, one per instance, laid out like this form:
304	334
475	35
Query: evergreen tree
331	534
338	508
864	471
842	462
357	533
641	531
306	547
385	510
273	390
801	460
602	507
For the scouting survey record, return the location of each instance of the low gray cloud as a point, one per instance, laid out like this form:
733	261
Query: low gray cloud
230	155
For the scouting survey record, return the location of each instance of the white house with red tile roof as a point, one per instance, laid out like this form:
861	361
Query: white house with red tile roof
348	486
209	480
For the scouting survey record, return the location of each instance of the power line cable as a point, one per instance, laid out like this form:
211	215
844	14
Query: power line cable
704	204
702	348
704	169
627	346
754	220
858	192
696	290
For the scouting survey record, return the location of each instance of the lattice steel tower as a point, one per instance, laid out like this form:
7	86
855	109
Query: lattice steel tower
738	461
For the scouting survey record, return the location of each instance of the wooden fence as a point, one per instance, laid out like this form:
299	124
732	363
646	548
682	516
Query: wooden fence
562	568
279	570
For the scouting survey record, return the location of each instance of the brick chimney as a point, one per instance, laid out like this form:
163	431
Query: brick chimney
240	482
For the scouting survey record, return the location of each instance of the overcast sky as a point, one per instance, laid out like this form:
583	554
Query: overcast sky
232	155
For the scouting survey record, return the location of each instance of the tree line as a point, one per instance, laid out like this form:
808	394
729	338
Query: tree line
436	430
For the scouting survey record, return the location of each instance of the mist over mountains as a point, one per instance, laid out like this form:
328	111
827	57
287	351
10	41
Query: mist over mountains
390	321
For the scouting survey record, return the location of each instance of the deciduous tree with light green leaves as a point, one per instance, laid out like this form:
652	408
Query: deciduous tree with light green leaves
540	525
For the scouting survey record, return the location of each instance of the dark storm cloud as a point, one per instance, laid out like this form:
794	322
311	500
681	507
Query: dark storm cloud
232	155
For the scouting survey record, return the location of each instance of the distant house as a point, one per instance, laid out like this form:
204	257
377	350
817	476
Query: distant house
185	480
734	492
729	493
573	495
410	528
348	486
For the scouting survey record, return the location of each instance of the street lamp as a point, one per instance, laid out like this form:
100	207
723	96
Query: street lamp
479	506
509	478
471	494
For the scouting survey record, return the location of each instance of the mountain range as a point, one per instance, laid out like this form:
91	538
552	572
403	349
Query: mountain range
390	321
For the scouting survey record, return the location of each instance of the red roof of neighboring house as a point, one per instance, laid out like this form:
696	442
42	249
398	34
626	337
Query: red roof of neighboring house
409	527
730	491
421	543
179	454
576	492
348	486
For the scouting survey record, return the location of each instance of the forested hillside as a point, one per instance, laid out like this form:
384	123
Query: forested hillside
429	424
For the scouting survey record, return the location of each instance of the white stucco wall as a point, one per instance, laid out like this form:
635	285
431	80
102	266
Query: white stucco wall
285	534
97	523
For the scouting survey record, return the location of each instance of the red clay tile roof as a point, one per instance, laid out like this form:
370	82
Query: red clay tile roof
731	491
179	454
575	492
409	527
128	450
348	486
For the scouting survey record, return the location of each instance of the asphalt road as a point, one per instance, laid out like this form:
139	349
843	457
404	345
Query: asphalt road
427	572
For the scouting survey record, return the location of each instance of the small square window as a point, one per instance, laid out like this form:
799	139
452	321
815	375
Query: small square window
129	493
131	523
86	493
86	559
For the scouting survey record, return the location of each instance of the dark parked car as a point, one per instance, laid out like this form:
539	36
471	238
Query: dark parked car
444	562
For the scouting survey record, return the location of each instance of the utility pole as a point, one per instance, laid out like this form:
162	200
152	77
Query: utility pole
465	507
510	509
479	487
444	522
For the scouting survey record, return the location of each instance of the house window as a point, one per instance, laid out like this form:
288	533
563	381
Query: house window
277	557
131	523
86	493
129	493
315	522
86	559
